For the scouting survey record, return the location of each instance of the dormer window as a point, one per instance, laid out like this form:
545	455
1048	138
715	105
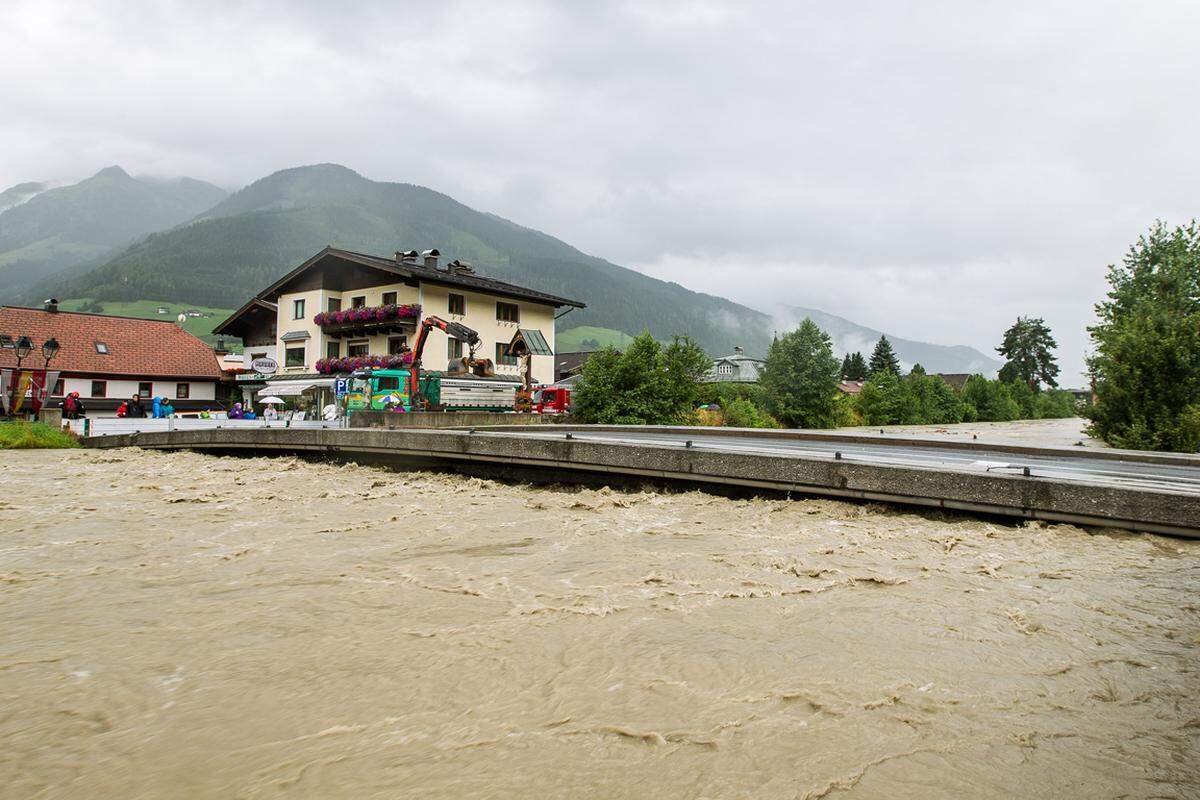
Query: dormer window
102	348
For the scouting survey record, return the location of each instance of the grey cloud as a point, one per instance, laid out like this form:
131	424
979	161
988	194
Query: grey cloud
930	169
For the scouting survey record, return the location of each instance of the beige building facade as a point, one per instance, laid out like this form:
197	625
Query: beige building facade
306	300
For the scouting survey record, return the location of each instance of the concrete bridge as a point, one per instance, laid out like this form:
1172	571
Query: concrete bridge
1134	490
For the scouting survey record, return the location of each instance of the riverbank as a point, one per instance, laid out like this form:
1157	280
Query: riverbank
20	435
189	625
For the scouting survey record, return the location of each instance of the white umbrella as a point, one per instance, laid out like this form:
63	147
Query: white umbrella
271	401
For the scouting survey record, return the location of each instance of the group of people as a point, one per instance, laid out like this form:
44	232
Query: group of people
132	408
238	412
161	408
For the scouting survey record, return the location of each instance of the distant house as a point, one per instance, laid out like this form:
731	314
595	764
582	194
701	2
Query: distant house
850	387
736	368
568	364
109	359
956	380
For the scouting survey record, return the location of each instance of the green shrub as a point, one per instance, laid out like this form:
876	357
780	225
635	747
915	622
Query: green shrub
741	413
21	435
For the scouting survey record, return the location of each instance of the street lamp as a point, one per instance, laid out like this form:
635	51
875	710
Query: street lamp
24	347
49	349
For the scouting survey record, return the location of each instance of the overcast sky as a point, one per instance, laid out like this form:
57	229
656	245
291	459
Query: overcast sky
930	169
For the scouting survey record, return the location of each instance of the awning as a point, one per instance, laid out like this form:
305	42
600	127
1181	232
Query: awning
528	340
296	336
293	388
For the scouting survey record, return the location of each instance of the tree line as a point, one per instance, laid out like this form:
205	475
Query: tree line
653	384
1144	370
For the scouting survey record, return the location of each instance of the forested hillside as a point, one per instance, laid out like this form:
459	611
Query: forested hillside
238	247
50	233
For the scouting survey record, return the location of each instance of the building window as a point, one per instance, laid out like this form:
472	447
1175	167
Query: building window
355	349
293	357
255	356
297	309
397	345
333	349
453	349
182	390
335	305
458	304
99	388
358	302
389	383
508	312
58	389
145	388
102	348
389	298
501	358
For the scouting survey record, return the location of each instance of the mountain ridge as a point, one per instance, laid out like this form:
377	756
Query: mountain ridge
231	251
225	253
55	230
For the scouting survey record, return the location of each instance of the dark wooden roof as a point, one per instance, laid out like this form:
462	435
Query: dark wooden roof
412	272
237	323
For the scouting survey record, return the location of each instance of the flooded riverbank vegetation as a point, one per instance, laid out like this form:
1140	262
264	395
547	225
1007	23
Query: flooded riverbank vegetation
22	435
186	625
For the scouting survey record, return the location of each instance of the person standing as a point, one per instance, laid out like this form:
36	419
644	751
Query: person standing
134	408
73	406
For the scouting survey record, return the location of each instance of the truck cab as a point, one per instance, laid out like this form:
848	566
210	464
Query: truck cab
379	390
552	400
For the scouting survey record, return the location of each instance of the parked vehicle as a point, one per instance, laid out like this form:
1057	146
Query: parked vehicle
552	400
388	390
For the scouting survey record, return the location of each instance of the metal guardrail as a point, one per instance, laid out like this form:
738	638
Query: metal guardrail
115	426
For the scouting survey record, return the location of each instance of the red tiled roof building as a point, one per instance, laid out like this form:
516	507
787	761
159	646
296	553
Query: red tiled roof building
108	359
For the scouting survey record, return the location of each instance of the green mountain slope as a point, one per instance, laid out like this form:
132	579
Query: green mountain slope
589	338
59	230
243	243
15	195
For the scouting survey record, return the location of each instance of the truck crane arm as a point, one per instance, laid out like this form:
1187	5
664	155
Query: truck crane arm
453	329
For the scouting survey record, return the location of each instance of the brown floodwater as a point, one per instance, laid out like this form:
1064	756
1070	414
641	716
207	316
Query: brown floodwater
178	625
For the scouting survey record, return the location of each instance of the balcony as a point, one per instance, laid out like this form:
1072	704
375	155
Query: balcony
369	320
349	364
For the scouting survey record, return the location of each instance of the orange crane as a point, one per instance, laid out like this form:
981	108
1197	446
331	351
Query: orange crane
454	329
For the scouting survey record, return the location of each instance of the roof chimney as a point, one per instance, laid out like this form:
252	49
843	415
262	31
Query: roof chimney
51	305
431	258
399	256
737	350
457	267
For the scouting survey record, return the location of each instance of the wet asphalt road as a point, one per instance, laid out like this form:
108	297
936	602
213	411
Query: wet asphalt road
898	452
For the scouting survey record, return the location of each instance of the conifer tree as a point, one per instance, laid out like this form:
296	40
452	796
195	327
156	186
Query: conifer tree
883	359
1028	350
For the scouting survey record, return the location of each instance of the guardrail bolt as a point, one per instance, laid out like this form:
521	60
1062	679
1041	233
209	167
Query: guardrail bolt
471	431
688	443
838	455
1025	471
569	436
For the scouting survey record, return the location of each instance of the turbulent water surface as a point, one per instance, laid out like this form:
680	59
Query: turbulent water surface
181	625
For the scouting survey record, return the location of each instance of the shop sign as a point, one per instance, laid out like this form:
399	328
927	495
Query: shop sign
264	366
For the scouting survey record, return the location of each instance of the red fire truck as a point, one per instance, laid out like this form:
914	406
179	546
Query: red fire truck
552	400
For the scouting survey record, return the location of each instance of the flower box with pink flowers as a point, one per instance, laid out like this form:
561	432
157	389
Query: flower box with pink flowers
366	319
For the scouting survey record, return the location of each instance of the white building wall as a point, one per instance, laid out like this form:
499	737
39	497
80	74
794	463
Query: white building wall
123	389
434	299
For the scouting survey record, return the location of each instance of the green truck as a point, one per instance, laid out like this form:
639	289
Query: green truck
387	390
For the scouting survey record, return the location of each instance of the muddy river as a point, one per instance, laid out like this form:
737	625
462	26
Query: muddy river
189	626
